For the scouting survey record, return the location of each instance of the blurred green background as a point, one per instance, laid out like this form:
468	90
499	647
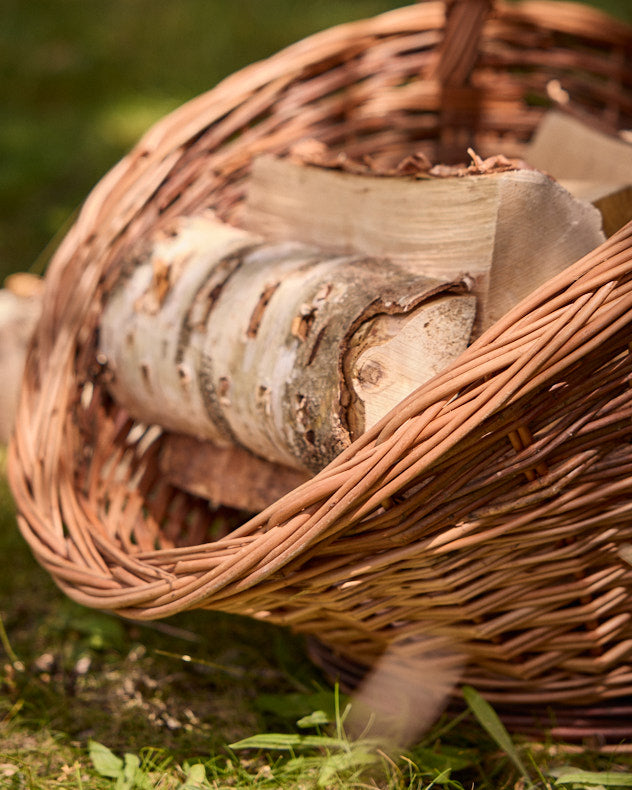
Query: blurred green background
81	80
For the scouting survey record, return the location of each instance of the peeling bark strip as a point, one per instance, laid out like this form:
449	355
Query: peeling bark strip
278	347
511	231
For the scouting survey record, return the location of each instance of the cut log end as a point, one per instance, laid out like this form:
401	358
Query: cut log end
393	355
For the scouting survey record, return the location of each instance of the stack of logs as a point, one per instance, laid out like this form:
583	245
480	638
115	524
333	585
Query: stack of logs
264	350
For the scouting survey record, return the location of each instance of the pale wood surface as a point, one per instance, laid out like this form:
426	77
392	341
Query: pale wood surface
568	148
396	353
613	200
511	231
20	308
592	165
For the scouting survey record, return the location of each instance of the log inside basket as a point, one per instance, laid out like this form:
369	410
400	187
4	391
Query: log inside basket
228	476
614	201
281	349
20	308
511	230
568	148
590	164
210	328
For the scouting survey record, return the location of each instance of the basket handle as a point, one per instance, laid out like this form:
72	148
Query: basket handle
459	101
458	53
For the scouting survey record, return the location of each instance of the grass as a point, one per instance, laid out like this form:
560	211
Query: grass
88	700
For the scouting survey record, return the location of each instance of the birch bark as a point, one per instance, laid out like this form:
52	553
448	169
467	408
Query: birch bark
279	348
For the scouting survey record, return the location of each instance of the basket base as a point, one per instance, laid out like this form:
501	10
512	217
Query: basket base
600	727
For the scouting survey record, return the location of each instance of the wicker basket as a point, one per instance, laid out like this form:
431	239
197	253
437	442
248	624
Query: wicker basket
491	508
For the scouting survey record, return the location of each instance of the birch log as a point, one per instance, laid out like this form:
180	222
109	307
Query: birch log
274	347
511	231
20	308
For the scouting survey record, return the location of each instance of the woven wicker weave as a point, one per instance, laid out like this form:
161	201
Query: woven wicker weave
493	507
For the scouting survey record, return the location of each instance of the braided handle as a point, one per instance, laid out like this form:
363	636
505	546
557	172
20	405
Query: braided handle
460	101
458	54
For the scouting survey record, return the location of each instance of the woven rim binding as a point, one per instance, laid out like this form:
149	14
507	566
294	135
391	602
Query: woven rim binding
491	508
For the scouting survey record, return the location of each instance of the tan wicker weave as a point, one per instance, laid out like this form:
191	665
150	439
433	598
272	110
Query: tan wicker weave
493	507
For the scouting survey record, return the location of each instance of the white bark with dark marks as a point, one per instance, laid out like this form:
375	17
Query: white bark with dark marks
215	333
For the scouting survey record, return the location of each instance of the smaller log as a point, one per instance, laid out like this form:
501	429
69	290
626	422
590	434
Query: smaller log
20	308
228	476
567	148
613	201
591	165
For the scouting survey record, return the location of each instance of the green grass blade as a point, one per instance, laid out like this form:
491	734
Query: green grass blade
445	758
287	742
488	719
4	640
338	764
295	706
316	719
440	779
195	778
576	776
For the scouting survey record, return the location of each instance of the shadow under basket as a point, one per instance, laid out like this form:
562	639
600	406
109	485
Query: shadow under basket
492	509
